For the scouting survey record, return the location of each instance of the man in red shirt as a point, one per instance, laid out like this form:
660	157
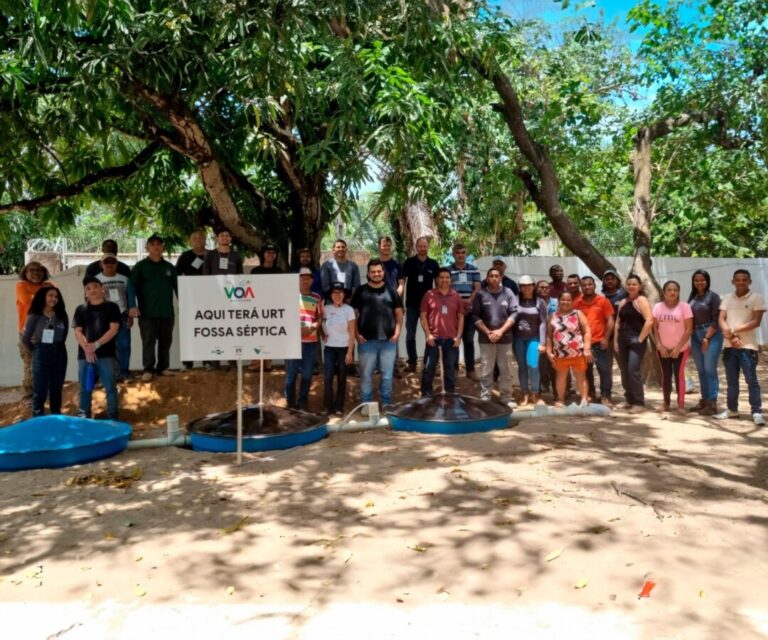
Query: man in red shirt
442	318
599	313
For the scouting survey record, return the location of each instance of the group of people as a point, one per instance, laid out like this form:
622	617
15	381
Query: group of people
559	331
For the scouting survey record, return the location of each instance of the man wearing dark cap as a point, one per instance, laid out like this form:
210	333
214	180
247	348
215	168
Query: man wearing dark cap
267	261
108	246
506	281
154	279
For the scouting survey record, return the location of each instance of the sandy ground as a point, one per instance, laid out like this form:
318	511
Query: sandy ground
546	530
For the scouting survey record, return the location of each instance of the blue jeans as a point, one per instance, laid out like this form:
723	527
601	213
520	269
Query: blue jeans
305	366
105	370
601	358
527	356
706	363
373	354
431	357
745	360
49	367
411	323
123	345
335	365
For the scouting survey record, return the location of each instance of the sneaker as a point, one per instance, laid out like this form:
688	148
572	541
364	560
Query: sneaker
758	419
636	408
338	414
725	414
473	376
410	367
166	373
147	376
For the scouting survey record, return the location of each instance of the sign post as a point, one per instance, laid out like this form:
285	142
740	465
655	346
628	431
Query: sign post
237	317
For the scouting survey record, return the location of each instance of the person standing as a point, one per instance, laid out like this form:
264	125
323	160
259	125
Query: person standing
599	314
634	323
304	259
267	260
569	343
672	328
108	246
339	329
96	324
191	261
530	339
706	340
612	289
442	318
155	281
395	277
339	269
546	372
419	271
556	286
223	259
119	289
379	320
506	281
573	286
465	280
33	277
310	315
45	336
741	313
494	311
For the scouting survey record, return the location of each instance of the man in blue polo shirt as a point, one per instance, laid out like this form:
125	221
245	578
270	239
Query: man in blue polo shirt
465	280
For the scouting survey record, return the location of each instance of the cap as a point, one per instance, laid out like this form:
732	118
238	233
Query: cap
610	272
304	271
155	238
526	280
109	255
303	250
269	247
499	259
337	286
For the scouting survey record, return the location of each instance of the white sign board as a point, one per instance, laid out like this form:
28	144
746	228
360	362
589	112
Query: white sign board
239	317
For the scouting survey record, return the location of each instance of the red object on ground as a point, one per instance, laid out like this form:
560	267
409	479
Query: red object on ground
645	592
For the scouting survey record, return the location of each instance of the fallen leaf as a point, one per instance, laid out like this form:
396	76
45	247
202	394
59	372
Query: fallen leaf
701	594
139	558
598	529
581	583
237	526
109	536
554	555
139	591
421	548
230	591
368	504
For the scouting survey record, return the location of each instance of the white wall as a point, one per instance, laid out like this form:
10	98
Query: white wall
680	269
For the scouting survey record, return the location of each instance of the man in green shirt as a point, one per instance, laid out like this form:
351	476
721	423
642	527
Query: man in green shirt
154	279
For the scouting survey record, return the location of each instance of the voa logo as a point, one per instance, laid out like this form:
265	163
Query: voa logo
239	292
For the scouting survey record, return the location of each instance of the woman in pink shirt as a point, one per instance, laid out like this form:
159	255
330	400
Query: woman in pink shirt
672	328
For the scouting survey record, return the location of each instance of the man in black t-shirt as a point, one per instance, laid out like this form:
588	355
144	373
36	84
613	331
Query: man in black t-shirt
379	318
419	271
96	324
190	263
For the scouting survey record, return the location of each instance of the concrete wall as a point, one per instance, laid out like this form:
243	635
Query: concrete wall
680	269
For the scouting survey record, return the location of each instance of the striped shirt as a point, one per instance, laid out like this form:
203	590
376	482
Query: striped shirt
310	312
463	280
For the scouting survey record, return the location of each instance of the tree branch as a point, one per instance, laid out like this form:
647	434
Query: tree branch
76	188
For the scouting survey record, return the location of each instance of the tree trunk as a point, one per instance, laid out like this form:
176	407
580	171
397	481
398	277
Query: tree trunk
641	214
415	221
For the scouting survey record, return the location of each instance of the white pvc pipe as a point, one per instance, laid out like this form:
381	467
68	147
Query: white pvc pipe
173	438
573	409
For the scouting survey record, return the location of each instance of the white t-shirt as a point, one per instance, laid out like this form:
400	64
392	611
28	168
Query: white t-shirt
336	324
115	289
741	310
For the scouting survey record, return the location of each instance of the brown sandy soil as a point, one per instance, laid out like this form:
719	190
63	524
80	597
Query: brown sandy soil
547	530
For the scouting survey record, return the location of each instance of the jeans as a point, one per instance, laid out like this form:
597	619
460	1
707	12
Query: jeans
450	355
156	331
673	369
706	363
306	365
527	356
468	340
105	370
335	365
411	323
631	353
745	360
603	361
123	345
49	367
491	354
374	354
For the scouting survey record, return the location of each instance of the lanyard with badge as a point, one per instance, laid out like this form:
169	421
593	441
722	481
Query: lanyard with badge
224	263
48	333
